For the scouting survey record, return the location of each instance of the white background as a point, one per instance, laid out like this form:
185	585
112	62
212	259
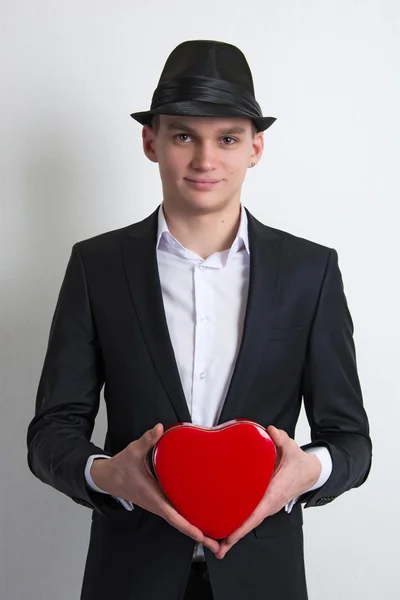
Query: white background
72	166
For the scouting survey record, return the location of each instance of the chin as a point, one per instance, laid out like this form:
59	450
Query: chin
206	205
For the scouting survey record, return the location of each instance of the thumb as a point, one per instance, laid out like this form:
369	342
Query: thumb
157	431
275	435
151	437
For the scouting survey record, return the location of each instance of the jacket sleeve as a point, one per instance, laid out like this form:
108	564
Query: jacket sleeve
67	402
332	393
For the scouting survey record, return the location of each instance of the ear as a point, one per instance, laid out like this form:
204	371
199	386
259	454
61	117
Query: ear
258	146
149	143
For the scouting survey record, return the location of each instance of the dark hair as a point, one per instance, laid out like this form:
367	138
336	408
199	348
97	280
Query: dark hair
155	125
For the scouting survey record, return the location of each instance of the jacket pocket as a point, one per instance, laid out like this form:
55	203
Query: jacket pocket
280	523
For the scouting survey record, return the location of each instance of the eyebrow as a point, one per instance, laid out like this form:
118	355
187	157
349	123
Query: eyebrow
177	125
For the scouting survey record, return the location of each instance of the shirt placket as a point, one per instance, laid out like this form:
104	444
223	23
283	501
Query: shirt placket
202	345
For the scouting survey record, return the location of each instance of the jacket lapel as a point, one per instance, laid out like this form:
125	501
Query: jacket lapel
140	260
265	252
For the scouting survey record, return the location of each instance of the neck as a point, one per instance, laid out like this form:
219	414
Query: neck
203	233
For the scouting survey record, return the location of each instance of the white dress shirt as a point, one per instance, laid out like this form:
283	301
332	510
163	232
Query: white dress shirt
205	304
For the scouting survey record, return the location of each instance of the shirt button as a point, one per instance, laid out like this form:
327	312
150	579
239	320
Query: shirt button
201	268
204	319
202	375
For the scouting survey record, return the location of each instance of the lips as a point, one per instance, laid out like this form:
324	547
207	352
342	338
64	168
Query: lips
203	180
202	184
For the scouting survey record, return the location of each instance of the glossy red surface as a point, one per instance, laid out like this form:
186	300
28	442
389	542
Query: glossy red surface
215	476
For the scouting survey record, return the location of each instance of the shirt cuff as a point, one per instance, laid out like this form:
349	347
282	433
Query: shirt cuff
127	504
326	462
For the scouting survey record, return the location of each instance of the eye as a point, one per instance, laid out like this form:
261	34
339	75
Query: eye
181	135
228	137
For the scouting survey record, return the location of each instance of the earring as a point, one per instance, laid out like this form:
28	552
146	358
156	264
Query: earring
253	164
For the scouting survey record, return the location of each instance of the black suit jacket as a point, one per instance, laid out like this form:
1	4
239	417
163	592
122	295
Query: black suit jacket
109	328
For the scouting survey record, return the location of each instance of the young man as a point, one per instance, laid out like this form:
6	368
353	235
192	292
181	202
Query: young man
199	313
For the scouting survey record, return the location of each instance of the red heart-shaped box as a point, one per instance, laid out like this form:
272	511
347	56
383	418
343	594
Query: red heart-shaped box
215	476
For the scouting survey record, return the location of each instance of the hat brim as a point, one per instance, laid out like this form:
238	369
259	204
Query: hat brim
201	109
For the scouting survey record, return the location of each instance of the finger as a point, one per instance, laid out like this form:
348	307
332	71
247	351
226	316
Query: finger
226	544
150	438
275	434
180	523
212	544
224	548
244	529
167	511
250	523
231	540
190	530
279	436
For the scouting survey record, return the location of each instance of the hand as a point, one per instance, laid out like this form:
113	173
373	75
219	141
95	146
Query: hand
127	475
295	472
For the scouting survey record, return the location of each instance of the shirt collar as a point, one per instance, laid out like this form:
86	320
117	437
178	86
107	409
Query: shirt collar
242	236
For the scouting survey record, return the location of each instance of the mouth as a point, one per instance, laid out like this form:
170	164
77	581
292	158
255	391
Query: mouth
202	183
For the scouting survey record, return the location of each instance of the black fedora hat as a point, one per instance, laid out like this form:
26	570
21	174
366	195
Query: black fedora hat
206	78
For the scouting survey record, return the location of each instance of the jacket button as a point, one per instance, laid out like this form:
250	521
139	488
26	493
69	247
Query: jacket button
324	500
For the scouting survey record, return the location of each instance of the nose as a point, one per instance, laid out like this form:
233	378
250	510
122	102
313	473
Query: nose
204	157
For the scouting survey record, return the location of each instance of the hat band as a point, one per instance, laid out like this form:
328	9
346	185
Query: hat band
206	89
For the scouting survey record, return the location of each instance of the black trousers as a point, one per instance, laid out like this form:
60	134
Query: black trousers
198	586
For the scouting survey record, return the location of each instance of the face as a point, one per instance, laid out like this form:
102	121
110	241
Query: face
202	160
